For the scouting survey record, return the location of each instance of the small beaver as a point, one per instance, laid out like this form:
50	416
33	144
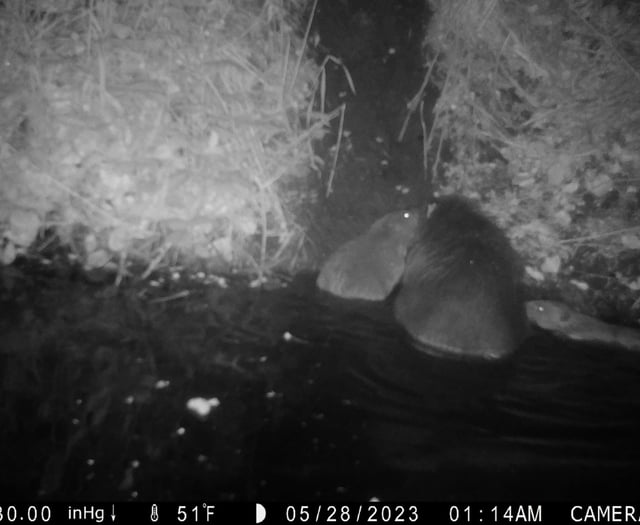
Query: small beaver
369	266
461	289
558	318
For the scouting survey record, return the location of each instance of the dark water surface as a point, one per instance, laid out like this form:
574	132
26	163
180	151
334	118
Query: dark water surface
95	385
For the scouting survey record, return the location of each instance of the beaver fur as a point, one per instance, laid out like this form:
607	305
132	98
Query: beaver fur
461	289
369	266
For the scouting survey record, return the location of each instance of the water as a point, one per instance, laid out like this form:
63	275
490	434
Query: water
341	408
366	415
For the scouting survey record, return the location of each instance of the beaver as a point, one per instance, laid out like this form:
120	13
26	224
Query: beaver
461	290
369	266
558	318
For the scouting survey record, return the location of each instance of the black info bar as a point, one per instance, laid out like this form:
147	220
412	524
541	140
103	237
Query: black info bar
280	513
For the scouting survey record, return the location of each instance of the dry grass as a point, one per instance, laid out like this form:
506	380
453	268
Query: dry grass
540	106
162	131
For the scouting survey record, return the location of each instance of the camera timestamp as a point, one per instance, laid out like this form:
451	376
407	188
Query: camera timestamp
495	514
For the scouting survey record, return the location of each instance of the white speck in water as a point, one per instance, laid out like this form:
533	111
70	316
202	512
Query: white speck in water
181	431
129	400
290	338
271	394
75	421
202	407
135	463
91	462
162	383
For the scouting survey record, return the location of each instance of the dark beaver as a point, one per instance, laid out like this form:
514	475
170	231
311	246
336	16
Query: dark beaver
369	266
461	290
